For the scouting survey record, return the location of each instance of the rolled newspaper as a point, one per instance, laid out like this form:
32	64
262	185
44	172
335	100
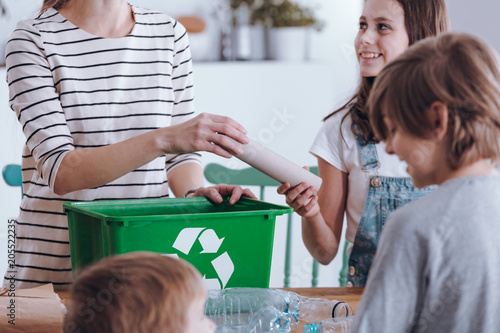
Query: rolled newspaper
276	166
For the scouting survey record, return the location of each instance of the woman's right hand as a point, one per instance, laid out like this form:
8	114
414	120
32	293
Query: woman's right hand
301	198
205	132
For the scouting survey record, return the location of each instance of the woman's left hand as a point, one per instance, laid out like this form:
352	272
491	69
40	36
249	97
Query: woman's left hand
215	193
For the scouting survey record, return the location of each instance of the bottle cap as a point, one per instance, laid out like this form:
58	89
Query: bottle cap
310	328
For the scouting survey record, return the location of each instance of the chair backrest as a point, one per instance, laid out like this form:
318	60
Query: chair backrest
218	174
12	175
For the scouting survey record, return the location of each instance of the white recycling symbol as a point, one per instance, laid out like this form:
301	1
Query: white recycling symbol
210	243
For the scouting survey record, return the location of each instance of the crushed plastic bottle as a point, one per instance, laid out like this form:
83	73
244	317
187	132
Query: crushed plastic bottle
331	325
236	307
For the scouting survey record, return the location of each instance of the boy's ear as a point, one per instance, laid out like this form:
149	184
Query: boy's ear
438	120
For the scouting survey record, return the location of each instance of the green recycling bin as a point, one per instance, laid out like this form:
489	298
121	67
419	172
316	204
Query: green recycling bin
231	245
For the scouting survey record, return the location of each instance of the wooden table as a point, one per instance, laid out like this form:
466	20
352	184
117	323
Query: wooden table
345	294
348	295
64	295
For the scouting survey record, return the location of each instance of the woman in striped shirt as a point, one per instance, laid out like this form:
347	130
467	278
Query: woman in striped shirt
104	93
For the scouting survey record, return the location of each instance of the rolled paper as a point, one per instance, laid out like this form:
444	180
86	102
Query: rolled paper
276	166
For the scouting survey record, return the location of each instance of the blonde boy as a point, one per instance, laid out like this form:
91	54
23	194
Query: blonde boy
138	292
437	268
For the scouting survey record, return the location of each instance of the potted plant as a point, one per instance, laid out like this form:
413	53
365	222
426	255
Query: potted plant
289	25
245	44
284	13
265	29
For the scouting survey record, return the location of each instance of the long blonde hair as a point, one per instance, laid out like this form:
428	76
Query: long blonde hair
52	3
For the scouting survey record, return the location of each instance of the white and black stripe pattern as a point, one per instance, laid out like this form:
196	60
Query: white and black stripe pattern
72	90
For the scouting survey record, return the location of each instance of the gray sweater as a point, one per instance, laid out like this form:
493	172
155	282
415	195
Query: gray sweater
437	268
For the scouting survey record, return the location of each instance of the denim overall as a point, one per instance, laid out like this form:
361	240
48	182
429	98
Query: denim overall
385	194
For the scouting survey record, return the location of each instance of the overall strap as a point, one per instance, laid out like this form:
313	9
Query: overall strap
369	160
368	153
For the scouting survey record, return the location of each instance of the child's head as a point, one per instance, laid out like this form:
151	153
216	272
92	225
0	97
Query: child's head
388	27
138	292
443	90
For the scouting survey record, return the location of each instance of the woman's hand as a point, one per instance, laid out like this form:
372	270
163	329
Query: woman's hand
301	198
215	193
205	132
98	166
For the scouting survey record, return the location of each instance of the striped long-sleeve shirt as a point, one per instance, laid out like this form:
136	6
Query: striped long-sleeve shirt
73	90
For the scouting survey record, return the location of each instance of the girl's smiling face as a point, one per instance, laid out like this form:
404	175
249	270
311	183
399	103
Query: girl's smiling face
382	35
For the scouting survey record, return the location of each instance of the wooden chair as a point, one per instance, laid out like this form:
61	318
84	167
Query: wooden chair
12	175
218	174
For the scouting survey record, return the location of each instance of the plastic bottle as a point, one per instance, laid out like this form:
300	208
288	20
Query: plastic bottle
236	306
266	320
331	325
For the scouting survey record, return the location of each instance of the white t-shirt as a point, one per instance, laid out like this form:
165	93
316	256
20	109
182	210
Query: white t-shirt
336	144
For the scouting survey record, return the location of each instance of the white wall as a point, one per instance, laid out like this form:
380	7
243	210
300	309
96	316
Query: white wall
478	17
259	95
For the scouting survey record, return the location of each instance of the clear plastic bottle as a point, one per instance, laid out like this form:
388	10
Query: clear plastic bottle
266	320
318	309
331	325
235	306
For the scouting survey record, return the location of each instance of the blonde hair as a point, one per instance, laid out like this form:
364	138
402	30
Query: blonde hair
456	69
134	292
